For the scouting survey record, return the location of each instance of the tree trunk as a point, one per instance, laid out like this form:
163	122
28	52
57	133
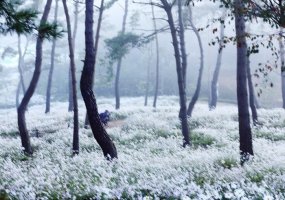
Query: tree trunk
18	94
25	139
117	80
282	56
147	85
73	75
251	94
214	83
199	81
48	92
86	83
97	37
242	96
182	93
20	68
70	95
157	60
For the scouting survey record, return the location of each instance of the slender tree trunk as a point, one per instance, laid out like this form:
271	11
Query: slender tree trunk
20	69
157	75
182	93
48	92
242	95
119	65
182	47
182	42
214	83
199	81
251	94
147	85
25	139
86	84
18	94
73	75
76	12
282	56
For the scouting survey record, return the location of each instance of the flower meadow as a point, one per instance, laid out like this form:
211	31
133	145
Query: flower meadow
151	164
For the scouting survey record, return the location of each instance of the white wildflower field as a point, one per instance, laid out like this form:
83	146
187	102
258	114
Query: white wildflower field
151	164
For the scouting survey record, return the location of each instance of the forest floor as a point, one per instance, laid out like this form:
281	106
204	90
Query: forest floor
152	163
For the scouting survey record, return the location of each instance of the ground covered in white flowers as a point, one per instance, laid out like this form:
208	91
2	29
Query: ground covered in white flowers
152	162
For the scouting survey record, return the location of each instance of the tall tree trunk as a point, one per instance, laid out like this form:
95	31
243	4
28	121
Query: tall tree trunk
73	75
251	94
97	37
86	83
70	101
157	60
147	85
119	65
20	69
242	95
282	56
25	139
199	80
214	83
182	93
48	92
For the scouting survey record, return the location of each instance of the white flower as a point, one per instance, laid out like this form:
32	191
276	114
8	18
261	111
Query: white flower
239	193
268	197
229	195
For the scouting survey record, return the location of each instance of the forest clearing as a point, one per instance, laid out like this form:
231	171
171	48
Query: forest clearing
152	162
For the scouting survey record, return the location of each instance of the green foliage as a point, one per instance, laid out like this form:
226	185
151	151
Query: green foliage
16	21
120	45
3	195
270	136
49	31
202	140
256	177
227	163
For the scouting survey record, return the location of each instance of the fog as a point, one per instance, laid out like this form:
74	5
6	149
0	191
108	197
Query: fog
135	63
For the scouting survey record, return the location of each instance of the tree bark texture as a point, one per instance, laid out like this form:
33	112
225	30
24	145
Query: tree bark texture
97	39
119	64
182	93
86	83
25	139
49	85
245	135
75	144
70	95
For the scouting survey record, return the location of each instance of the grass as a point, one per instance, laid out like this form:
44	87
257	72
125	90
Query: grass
202	140
227	162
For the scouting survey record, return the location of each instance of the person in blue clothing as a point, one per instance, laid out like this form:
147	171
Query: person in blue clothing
105	117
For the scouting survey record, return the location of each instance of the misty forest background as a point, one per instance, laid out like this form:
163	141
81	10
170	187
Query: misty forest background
182	80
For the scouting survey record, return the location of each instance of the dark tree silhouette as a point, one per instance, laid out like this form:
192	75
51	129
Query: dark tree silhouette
25	139
86	83
182	93
75	146
70	95
245	135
